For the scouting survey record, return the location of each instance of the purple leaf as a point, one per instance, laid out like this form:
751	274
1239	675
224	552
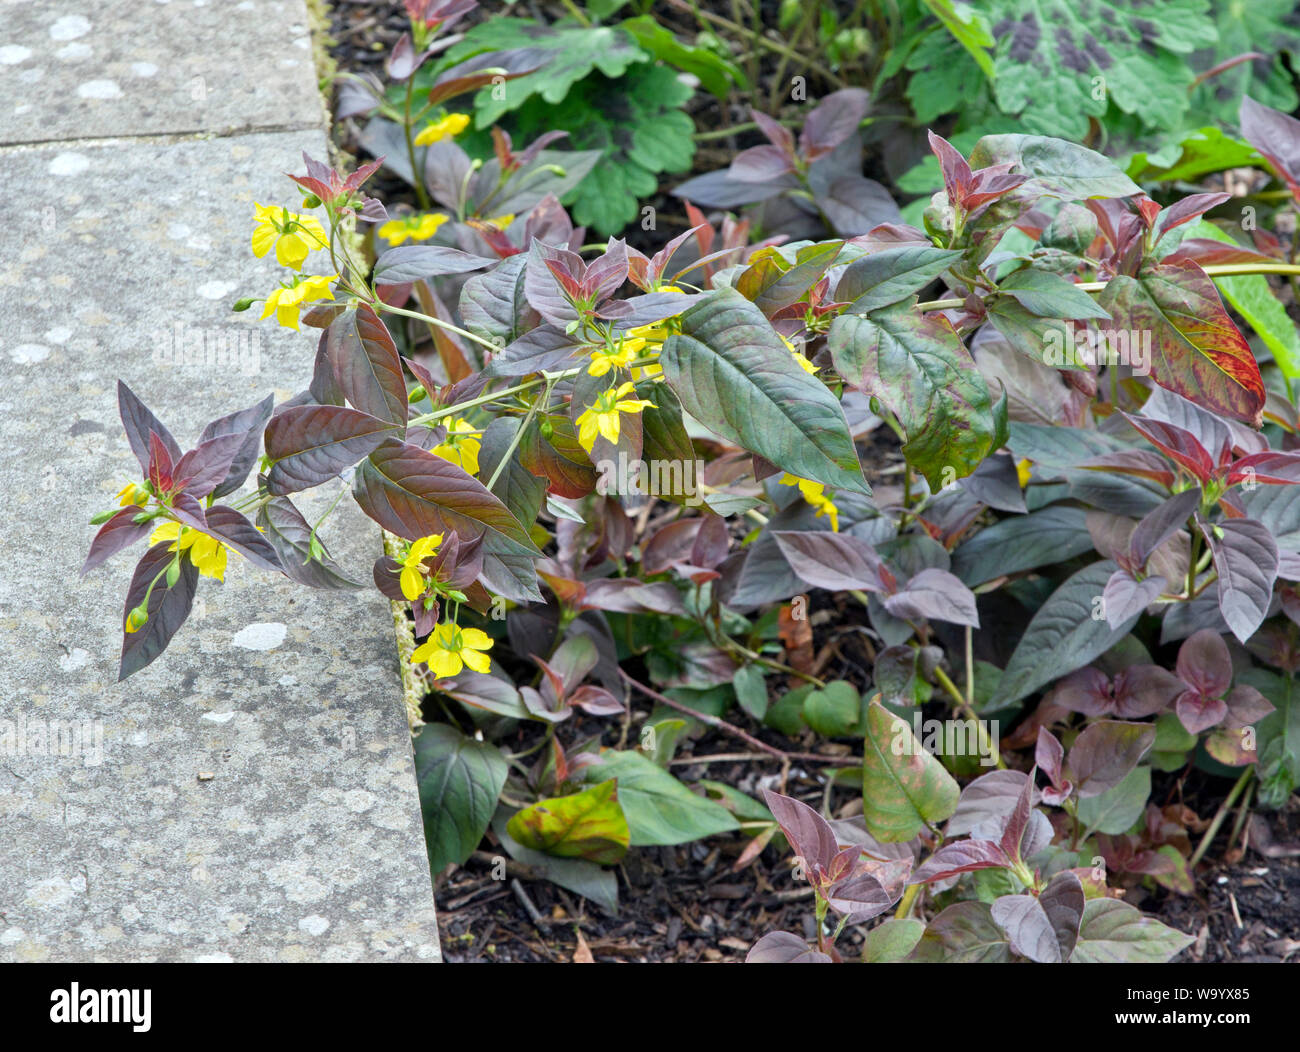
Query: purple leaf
810	835
367	366
1124	597
836	117
1159	525
168	607
834	561
761	164
781	947
1105	752
205	466
1018	820
1204	663
138	422
1199	712
965	856
310	444
289	534
409	263
250	423
933	594
1246	560
233	529
121	531
987	802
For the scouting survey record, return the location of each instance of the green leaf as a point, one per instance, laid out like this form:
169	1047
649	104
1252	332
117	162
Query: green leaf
1065	634
892	941
964	933
659	809
1113	932
921	371
751	690
1049	295
573	51
715	73
891	275
1197	153
734	374
1057	167
969	28
589	825
834	710
1252	298
584	878
1277	737
1115	810
903	786
459	779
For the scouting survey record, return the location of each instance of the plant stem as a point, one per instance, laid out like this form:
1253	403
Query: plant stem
416	178
379	304
1220	815
1217	270
908	900
986	744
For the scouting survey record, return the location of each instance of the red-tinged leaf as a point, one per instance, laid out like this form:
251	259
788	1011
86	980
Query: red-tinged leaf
233	529
935	595
367	366
760	165
560	459
310	444
1105	752
1276	136
1270	469
1246	560
121	531
413	493
1049	755
1206	252
834	119
869	891
956	172
1196	350
834	561
168	607
1204	663
160	464
1199	712
1185	209
964	933
139	422
810	835
1142	463
986	803
596	701
781	947
248	423
627	595
200	470
711	542
965	856
1177	443
450	350
289	534
1018	821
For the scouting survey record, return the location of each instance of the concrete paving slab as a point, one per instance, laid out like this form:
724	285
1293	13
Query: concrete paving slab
71	69
250	795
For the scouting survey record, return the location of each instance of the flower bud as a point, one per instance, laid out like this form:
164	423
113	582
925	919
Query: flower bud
417	392
137	618
310	201
243	305
546	427
102	517
173	573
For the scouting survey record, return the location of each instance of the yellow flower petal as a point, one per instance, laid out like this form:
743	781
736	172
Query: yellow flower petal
477	661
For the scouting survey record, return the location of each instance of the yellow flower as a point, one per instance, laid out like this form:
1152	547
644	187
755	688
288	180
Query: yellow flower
501	222
288	302
207	553
448	128
291	235
1022	473
804	363
415	228
603	360
413	583
132	494
460	447
601	417
450	648
814	493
